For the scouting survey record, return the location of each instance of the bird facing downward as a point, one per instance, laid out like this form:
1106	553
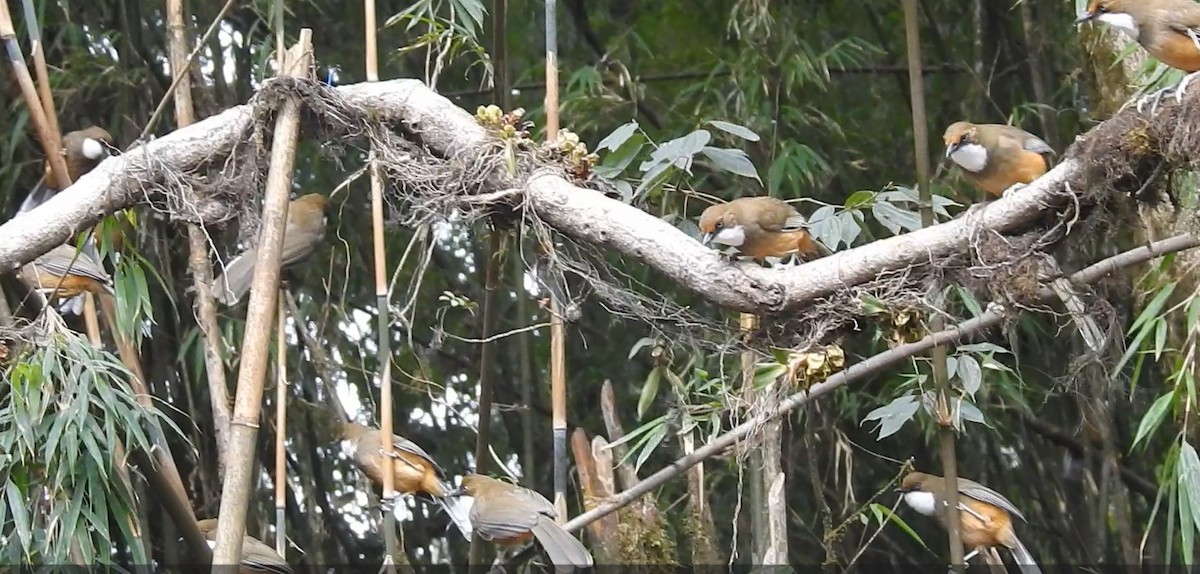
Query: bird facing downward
304	229
1168	29
985	515
413	470
758	227
257	557
509	514
996	158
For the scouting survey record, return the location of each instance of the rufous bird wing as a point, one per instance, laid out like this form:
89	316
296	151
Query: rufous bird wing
401	444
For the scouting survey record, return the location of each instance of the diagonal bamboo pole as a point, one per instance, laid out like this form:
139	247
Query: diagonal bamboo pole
240	456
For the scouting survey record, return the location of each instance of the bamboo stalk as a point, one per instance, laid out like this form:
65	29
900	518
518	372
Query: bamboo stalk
280	356
198	256
37	51
280	431
558	354
235	494
383	312
916	85
487	353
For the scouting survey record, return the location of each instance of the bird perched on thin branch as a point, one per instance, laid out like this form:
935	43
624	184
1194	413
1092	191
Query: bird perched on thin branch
985	515
413	470
304	229
508	514
61	274
1168	29
82	151
996	158
758	227
257	557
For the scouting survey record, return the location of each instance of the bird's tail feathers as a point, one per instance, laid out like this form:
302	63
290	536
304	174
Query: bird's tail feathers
1023	558
563	549
235	281
459	510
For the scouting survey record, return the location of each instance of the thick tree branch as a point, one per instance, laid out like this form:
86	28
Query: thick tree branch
582	214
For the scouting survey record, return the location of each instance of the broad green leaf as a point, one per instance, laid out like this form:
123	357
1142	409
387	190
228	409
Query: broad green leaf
982	348
735	129
618	137
970	374
893	415
859	199
734	161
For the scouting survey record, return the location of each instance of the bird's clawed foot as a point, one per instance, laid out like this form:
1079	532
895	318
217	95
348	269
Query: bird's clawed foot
1014	188
388	505
1155	98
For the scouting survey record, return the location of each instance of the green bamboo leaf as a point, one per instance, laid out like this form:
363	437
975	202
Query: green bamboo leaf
880	511
652	441
1153	417
735	129
17	501
649	391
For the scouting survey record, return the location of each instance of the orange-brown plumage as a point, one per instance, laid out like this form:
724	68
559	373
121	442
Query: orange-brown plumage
985	515
304	229
996	157
758	227
257	557
60	268
1167	29
508	514
413	470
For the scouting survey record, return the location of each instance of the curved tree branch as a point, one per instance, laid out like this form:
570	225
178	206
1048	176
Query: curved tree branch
583	214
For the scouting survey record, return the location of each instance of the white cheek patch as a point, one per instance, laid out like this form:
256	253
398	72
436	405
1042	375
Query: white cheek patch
732	236
1121	21
93	149
971	157
921	502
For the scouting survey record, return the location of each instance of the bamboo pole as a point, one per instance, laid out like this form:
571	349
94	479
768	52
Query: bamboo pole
198	258
558	353
383	312
916	83
240	456
38	53
280	431
280	355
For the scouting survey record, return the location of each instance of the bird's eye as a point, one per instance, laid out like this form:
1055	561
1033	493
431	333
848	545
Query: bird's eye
719	225
1102	9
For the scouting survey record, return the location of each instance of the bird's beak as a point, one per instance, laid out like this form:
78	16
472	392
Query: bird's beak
706	239
950	149
456	492
1086	17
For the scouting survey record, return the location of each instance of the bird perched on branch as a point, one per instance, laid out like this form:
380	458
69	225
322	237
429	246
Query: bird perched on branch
257	557
413	470
984	515
61	274
1168	29
759	227
996	158
508	514
304	229
82	151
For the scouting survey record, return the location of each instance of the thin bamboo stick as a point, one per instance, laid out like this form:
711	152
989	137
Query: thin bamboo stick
558	353
383	310
916	83
280	432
